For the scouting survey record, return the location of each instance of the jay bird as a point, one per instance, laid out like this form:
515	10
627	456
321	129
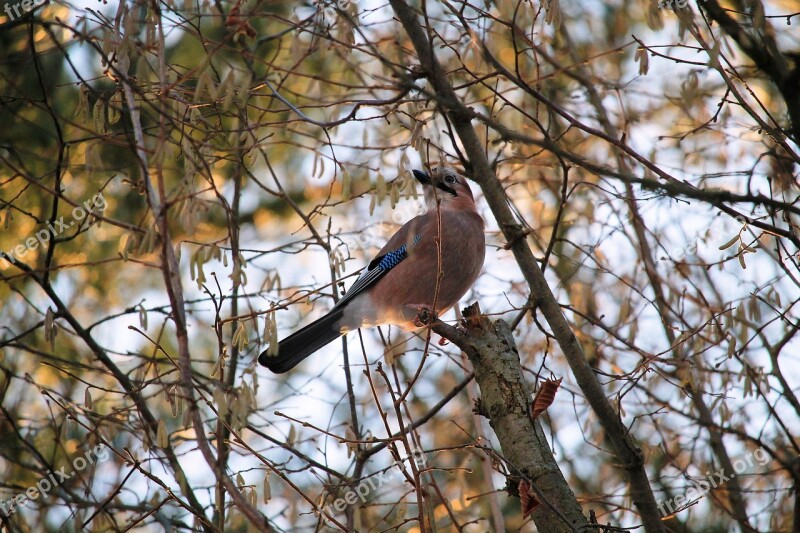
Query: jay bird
401	282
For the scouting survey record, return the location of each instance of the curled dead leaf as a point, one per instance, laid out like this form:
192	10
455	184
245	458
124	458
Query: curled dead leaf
527	498
544	397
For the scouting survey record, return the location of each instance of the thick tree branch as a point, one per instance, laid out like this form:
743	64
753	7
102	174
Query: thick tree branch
628	452
506	402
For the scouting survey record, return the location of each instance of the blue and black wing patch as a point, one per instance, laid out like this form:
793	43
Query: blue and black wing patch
376	270
392	259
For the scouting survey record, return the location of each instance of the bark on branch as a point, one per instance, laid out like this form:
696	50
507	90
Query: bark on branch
506	402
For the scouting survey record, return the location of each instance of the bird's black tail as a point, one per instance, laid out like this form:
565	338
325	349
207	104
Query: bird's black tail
300	344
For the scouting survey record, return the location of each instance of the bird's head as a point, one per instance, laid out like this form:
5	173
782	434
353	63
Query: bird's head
447	186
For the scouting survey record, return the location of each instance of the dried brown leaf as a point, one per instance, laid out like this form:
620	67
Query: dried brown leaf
544	397
527	498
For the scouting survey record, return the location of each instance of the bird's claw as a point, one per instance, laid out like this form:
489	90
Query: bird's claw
424	316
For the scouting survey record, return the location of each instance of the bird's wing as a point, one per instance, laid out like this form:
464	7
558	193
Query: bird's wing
379	266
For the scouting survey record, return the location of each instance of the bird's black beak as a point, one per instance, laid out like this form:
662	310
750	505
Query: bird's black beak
425	179
422	177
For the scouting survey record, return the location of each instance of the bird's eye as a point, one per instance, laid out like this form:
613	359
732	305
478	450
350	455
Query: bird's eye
450	179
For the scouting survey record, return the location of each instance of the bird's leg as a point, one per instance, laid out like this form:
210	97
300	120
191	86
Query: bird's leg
424	314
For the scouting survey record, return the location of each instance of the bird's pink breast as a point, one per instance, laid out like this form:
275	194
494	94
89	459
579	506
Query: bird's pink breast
413	283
